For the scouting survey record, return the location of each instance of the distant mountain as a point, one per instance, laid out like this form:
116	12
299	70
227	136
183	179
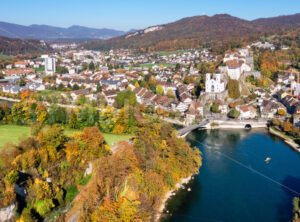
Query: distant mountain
197	31
13	46
46	32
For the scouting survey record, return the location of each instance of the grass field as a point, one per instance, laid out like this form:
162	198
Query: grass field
13	134
149	65
4	56
163	53
40	69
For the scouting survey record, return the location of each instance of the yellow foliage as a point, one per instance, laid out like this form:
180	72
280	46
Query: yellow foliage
118	129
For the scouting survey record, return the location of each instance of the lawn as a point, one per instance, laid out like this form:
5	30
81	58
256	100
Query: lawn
13	134
149	65
40	69
2	56
165	53
111	139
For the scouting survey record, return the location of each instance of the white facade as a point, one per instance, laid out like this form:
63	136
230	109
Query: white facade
215	84
49	65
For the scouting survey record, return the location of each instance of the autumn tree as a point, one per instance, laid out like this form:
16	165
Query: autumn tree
25	94
159	90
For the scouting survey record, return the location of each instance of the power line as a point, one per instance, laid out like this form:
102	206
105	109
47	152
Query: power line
250	169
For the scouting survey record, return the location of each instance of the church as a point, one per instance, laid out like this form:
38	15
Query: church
215	86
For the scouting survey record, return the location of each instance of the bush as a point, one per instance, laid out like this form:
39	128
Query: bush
72	191
12	177
215	108
44	206
233	113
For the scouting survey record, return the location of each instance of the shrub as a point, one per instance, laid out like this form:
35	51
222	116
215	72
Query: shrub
215	108
71	193
44	206
234	113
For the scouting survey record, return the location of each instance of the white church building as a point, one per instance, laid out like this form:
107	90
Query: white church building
214	83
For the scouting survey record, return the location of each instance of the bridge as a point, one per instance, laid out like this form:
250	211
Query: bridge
185	131
223	124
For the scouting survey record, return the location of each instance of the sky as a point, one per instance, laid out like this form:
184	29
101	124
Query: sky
134	14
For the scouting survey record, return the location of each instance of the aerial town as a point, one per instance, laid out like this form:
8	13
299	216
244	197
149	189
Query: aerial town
165	83
133	111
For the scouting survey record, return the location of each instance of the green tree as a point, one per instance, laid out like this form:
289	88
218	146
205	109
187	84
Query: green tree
125	97
92	66
81	100
234	113
73	122
215	108
99	88
57	114
75	87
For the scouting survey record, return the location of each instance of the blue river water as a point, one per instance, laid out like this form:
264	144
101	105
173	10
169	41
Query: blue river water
235	184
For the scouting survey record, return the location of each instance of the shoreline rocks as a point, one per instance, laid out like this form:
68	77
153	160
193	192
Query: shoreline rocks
169	194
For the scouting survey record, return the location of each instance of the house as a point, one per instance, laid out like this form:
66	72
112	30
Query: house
21	64
268	109
18	72
194	113
84	92
246	112
110	96
235	68
223	108
9	66
260	92
34	86
13	89
181	107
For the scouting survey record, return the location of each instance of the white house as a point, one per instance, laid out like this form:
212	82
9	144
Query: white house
246	112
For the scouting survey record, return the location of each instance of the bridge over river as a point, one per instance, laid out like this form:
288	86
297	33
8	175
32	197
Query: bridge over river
223	124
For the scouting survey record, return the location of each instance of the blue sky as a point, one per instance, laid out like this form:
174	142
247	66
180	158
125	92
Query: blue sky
127	14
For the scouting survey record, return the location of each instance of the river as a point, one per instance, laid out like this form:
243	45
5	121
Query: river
234	183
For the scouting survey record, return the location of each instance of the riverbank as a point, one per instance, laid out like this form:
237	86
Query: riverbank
289	141
168	195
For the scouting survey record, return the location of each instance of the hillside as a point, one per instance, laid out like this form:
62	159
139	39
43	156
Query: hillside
46	32
13	46
199	30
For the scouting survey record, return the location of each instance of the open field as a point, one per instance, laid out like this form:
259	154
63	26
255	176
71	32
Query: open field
13	134
166	53
4	56
40	69
149	65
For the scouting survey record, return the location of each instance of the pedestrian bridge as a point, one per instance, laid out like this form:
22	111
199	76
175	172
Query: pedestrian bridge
223	124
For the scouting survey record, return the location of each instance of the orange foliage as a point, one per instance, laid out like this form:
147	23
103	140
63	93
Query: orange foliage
25	94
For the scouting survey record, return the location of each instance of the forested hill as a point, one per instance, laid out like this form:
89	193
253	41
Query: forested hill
199	30
13	46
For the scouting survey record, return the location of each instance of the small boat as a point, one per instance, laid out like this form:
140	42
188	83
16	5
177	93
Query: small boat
267	160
